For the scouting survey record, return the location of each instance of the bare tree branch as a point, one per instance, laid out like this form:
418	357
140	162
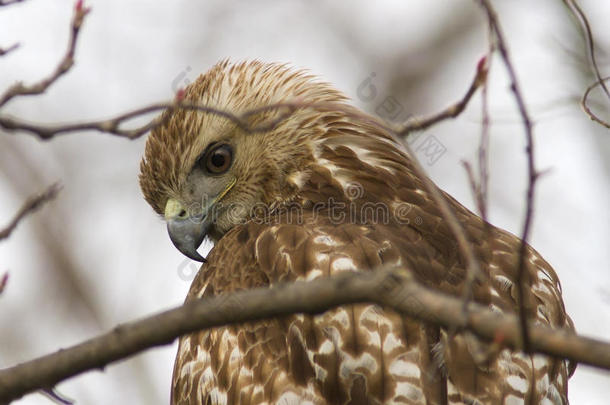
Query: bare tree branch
4	51
472	264
475	187
9	2
390	288
588	34
19	89
483	153
479	188
56	397
3	282
532	174
113	125
585	106
110	126
421	123
575	9
473	268
32	204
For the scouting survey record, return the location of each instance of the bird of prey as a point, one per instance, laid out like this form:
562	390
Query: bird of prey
311	193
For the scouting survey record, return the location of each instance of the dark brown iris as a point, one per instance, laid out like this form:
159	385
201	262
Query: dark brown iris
218	159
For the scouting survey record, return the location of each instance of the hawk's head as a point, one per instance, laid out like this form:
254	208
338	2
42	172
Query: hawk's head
205	174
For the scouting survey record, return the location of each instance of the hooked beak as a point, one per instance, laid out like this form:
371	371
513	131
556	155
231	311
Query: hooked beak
186	232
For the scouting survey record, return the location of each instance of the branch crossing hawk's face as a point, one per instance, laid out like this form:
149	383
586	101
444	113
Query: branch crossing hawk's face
205	174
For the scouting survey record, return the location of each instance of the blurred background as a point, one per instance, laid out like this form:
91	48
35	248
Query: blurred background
98	255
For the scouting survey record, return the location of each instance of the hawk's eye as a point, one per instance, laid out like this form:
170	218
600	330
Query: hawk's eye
218	159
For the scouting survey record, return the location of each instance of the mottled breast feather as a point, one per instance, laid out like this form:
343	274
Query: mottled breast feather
362	353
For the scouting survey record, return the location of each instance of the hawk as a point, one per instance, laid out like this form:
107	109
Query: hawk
320	191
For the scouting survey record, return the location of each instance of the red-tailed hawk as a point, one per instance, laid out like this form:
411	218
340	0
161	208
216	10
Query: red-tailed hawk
328	190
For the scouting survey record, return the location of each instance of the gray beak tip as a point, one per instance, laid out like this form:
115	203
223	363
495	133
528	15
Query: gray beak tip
187	235
194	255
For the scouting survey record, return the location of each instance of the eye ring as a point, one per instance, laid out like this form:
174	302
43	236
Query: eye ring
218	159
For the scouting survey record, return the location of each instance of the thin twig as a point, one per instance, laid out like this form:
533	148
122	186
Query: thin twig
389	288
532	174
113	125
473	268
31	205
19	89
600	81
588	33
483	151
472	264
3	282
479	188
56	397
4	51
421	123
9	2
585	107
475	187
